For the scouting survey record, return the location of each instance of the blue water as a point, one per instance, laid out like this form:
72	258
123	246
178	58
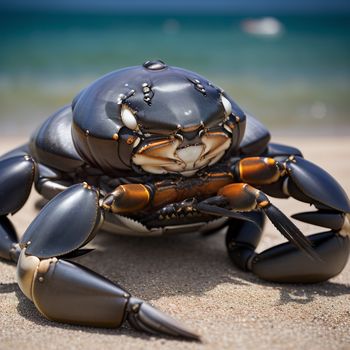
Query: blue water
297	79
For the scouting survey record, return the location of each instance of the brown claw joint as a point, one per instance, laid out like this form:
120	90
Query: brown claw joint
243	197
144	317
259	170
127	199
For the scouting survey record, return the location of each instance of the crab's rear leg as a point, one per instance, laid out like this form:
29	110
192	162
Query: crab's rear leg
67	292
16	178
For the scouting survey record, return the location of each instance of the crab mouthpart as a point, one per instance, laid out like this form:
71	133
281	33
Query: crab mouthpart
166	156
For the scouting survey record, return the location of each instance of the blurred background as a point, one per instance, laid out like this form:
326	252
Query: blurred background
288	63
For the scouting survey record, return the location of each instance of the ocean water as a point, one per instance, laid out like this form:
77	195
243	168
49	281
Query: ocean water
295	81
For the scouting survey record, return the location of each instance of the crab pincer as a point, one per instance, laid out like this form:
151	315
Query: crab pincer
68	292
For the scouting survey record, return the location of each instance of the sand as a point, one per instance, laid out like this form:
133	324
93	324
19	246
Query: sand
192	279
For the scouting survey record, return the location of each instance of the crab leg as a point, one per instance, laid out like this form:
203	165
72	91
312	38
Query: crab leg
67	292
296	177
299	178
16	179
242	197
129	198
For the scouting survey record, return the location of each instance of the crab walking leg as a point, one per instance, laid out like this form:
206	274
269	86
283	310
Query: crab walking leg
284	262
243	237
312	259
67	292
16	178
242	197
309	183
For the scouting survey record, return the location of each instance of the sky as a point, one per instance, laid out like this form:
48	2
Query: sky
183	6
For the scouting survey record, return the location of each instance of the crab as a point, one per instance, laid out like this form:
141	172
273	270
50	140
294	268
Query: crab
157	150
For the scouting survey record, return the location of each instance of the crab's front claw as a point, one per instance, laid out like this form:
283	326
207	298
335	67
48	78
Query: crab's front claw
305	181
144	317
68	292
309	183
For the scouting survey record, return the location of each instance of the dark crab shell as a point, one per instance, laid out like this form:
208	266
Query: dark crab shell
163	99
88	139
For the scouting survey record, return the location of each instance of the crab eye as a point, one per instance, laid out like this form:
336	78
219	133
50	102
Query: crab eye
227	105
128	118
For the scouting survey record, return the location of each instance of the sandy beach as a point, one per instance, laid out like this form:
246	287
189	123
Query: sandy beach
191	278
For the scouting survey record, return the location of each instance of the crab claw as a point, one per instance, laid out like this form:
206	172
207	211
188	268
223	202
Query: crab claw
144	317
